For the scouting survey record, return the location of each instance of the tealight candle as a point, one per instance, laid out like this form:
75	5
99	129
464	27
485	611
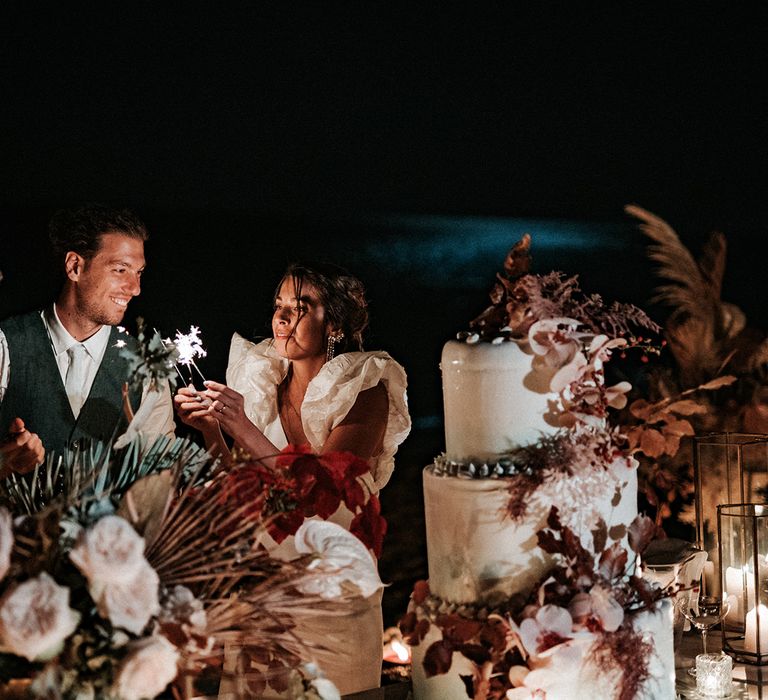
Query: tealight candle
714	675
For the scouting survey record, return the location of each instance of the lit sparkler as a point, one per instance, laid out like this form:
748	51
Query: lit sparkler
188	346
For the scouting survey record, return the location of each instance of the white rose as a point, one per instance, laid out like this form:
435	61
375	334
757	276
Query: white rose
6	541
131	605
35	618
149	667
110	551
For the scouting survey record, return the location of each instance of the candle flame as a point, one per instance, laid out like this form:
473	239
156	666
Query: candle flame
397	652
401	650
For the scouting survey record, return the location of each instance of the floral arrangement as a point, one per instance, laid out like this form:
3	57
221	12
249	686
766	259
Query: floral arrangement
119	593
140	571
586	604
573	336
305	485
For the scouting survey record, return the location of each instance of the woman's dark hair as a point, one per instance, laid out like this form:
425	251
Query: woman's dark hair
80	229
341	294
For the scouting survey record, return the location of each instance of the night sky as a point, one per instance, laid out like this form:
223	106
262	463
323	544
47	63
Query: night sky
310	108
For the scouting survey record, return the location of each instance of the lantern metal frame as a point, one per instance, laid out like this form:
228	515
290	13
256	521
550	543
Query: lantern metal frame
729	468
751	538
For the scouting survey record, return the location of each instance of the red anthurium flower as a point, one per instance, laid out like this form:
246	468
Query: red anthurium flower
285	524
344	466
317	490
369	526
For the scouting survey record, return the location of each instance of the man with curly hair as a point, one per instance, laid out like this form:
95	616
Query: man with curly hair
61	372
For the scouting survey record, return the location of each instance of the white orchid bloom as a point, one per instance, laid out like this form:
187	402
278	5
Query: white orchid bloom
551	627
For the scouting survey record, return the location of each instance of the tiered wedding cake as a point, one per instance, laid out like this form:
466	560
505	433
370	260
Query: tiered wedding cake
524	598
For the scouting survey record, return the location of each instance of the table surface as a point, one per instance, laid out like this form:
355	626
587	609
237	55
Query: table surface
749	682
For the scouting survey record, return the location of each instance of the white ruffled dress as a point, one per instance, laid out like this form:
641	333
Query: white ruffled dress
256	370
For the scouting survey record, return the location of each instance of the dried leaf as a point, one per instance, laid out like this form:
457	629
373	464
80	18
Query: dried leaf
678	427
686	407
725	380
437	659
652	442
641	532
599	535
613	562
616	533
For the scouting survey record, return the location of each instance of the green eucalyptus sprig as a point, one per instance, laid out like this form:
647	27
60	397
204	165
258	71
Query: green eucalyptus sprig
151	359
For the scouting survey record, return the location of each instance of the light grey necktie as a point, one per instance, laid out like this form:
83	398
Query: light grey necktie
75	382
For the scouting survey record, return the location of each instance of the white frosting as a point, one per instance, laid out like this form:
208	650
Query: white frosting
583	682
494	399
475	551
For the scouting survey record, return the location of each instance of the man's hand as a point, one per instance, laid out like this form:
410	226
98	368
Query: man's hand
21	451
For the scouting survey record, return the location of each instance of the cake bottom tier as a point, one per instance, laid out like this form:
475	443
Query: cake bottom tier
571	676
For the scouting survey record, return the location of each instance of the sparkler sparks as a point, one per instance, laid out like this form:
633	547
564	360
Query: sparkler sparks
188	346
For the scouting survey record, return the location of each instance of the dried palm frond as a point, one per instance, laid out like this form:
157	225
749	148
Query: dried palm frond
691	287
704	332
86	475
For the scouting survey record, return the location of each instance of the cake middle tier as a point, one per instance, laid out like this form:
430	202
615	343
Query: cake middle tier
477	553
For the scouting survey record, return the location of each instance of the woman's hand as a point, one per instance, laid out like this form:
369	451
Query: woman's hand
193	408
227	407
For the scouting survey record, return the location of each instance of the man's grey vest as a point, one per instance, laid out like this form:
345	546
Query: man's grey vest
36	392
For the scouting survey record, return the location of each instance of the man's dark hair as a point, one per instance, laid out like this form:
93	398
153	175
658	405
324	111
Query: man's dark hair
80	229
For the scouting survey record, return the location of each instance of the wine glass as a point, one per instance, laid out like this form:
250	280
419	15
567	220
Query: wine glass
704	612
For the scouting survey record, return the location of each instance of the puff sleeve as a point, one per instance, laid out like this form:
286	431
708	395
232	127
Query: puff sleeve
255	370
333	392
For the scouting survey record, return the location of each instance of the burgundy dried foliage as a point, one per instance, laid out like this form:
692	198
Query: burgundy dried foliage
627	652
613	562
519	299
599	535
617	532
437	658
457	629
641	531
556	451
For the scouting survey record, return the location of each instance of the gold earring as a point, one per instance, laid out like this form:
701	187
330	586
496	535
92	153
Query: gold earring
330	348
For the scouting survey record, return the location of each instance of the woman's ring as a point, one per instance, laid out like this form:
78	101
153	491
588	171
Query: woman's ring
223	408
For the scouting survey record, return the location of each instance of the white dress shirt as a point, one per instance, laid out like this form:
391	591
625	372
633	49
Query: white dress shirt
161	419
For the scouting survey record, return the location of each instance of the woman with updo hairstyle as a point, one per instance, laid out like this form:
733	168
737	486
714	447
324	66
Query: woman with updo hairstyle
312	384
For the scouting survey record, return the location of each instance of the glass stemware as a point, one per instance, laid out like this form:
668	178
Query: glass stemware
704	612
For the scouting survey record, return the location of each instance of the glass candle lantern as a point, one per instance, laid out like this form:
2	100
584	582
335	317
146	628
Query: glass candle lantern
743	551
714	674
728	468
